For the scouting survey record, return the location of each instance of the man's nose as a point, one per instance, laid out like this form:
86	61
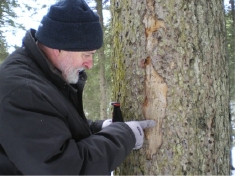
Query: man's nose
88	64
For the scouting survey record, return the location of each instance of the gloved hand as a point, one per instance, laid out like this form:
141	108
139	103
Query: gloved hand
106	123
137	128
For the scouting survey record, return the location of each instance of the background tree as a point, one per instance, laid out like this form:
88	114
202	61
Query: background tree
3	48
92	96
6	16
169	63
101	58
230	26
230	34
97	93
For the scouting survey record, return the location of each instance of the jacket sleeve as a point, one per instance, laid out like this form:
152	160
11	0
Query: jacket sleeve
37	139
95	126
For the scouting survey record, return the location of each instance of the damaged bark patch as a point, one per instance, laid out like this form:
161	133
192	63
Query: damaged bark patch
154	107
155	86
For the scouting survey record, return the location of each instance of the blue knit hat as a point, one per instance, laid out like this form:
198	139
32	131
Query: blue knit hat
70	25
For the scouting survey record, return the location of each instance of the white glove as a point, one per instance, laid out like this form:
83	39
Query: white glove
137	128
106	123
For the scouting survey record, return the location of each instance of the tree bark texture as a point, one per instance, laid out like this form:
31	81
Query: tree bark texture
169	64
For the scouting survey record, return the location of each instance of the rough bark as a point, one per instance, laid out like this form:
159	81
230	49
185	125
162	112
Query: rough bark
169	64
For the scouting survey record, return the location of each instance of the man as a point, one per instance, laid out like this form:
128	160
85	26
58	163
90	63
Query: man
43	129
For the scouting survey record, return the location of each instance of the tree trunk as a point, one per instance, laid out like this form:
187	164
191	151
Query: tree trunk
169	65
233	21
232	84
101	58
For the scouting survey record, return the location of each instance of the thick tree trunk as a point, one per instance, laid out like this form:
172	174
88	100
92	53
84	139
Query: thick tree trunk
169	65
101	58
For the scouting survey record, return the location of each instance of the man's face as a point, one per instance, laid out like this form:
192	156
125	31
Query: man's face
71	63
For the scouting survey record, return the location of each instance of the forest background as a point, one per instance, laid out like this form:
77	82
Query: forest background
17	16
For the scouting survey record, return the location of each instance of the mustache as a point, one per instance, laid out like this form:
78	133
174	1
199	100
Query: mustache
82	74
81	70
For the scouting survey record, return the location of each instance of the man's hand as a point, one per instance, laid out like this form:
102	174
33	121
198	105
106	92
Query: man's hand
137	128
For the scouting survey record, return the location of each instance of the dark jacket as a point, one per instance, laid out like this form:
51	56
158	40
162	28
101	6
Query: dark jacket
43	129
